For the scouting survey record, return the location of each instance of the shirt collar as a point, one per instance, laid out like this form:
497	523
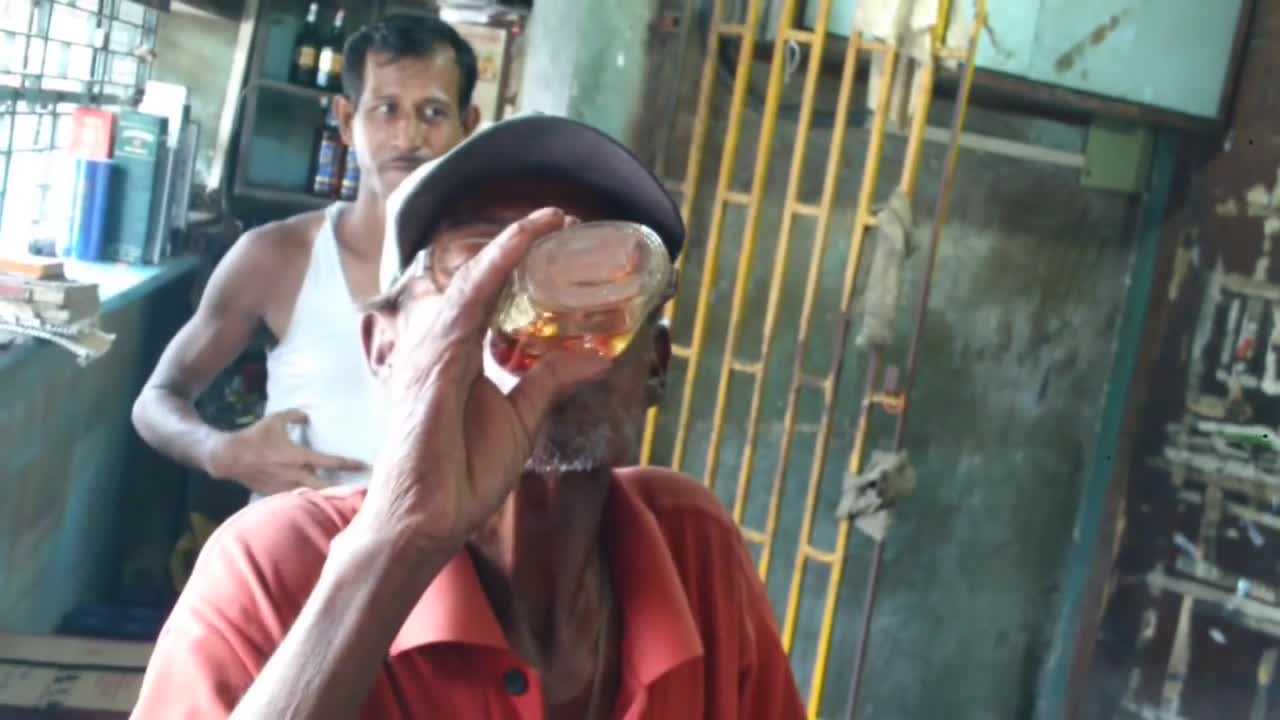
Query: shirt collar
659	632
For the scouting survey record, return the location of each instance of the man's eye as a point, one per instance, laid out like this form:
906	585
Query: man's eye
435	113
385	109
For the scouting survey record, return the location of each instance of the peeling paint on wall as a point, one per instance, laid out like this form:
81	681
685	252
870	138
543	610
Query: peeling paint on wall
1068	59
1187	257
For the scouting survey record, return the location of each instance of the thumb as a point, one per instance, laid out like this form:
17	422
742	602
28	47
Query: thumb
550	380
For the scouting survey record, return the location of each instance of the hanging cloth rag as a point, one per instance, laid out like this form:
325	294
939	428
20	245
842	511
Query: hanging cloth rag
868	496
884	281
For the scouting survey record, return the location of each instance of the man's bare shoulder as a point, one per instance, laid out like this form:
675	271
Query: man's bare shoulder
289	240
280	251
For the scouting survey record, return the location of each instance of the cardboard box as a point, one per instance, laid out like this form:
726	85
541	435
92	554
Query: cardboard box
66	678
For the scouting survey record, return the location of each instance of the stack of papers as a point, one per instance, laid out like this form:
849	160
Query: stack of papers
55	309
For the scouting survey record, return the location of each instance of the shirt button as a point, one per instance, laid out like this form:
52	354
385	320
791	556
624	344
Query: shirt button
516	682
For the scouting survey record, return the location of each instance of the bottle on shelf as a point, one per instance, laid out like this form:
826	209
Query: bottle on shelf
350	176
329	69
325	177
306	50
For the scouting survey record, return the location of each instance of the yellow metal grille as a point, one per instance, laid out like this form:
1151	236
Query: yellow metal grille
678	415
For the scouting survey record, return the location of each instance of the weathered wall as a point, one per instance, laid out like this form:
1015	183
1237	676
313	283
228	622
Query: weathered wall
1147	657
588	60
1030	283
75	486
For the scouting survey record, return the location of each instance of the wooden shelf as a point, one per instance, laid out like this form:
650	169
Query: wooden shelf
284	198
324	96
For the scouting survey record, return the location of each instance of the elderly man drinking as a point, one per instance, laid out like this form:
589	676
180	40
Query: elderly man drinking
500	563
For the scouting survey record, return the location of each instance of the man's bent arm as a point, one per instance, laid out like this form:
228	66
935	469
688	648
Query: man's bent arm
331	657
230	312
276	622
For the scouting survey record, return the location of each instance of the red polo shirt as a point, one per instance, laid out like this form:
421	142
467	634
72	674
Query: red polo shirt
698	641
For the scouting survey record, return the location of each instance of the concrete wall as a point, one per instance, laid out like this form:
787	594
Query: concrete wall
589	61
1030	283
195	49
76	487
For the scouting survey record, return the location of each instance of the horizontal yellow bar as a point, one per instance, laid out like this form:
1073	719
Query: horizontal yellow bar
681	351
737	198
813	381
733	29
754	536
875	46
800	36
744	366
952	53
808	427
820	555
806	209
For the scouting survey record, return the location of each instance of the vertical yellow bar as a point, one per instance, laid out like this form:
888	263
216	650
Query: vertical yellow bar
693	167
711	261
830	188
870	176
764	154
857	456
919	123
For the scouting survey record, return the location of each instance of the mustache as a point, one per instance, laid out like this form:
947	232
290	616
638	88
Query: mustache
410	161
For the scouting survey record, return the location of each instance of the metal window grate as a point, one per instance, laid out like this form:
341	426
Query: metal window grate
54	56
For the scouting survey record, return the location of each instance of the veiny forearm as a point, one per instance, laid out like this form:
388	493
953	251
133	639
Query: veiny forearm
331	657
170	424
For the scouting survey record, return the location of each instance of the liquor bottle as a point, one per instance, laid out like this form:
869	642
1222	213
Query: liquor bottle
585	288
350	176
328	156
306	51
329	70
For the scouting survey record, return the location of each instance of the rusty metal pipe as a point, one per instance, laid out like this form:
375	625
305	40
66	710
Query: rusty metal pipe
868	611
941	212
935	241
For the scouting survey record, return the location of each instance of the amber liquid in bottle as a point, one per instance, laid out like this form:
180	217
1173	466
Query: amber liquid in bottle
586	289
520	343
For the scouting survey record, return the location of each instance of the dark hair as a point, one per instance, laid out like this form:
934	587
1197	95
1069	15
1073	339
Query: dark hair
400	36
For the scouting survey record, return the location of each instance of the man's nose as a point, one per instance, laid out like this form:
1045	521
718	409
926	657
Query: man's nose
413	133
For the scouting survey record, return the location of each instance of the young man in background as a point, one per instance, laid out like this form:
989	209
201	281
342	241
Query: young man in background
407	85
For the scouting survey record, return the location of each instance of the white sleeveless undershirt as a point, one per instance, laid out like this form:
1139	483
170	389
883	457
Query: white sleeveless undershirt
318	367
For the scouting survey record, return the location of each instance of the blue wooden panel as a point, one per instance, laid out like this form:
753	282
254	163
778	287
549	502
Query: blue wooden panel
1010	44
1169	54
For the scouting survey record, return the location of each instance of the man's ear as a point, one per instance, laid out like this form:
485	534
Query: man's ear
470	120
378	338
344	110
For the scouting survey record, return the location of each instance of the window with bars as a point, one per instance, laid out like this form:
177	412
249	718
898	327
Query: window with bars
56	55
